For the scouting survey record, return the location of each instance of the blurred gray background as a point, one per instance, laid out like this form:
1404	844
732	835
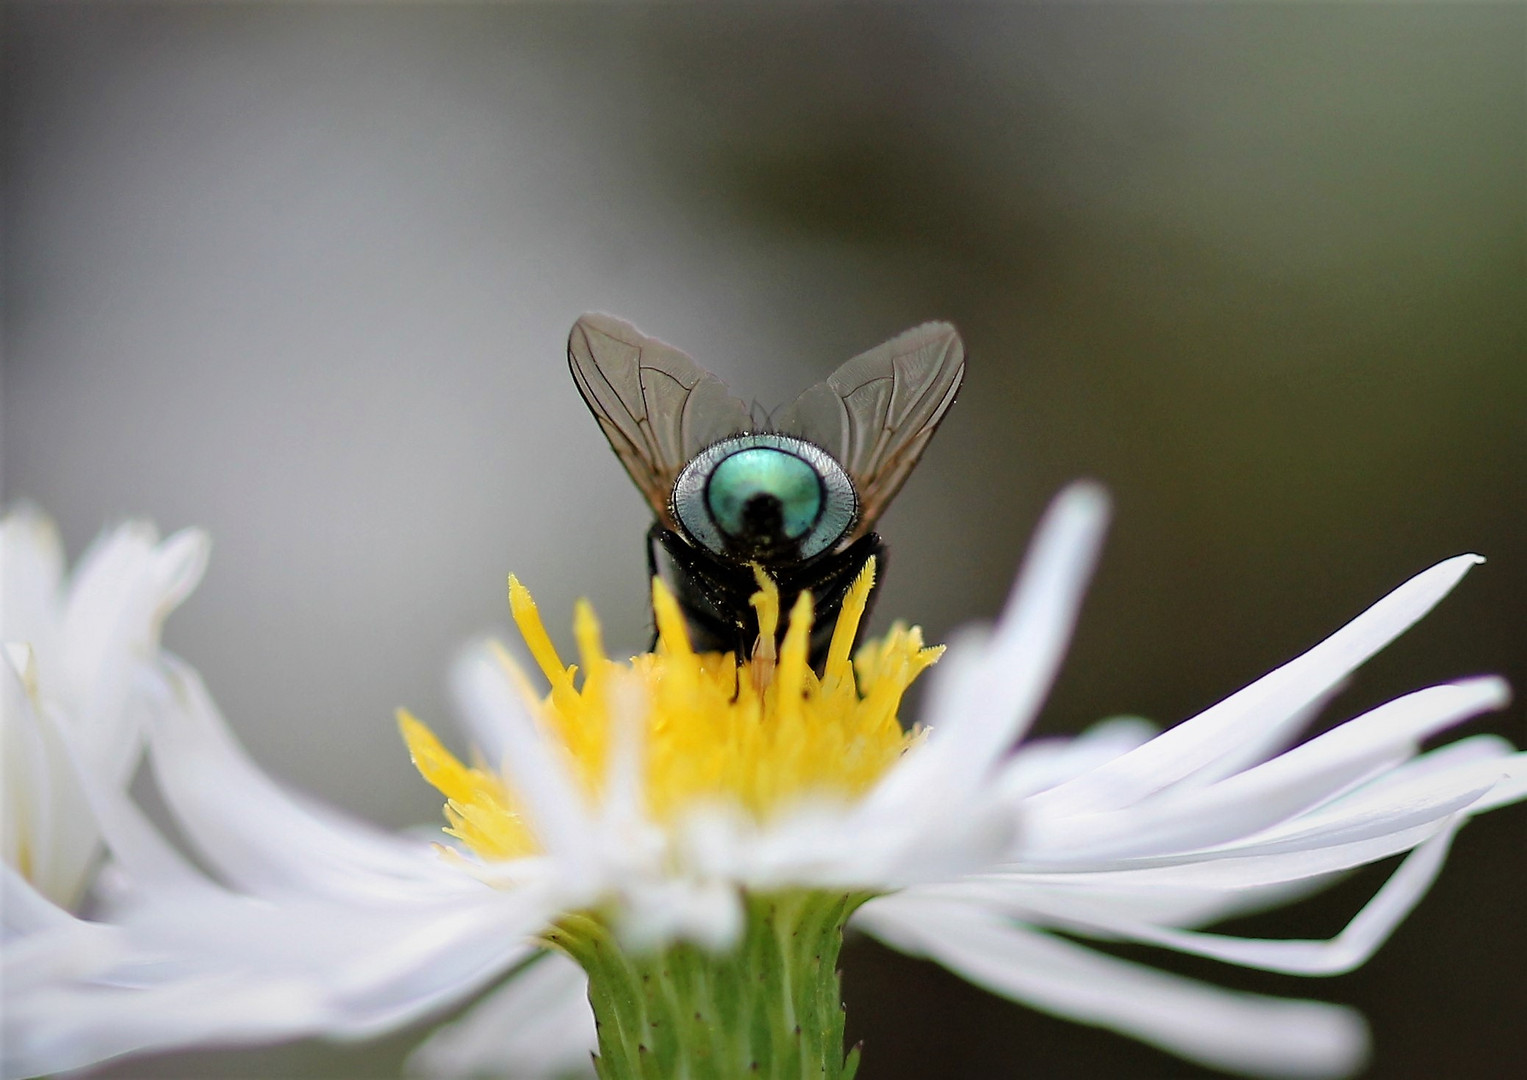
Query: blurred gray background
303	276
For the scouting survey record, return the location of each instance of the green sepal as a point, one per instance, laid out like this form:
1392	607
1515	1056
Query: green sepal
770	1008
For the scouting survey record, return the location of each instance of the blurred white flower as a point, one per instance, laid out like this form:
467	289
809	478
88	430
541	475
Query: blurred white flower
610	797
74	654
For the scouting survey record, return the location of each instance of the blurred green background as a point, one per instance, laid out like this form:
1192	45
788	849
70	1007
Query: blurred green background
303	276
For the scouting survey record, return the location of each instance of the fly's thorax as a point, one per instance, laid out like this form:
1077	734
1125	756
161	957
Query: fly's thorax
764	497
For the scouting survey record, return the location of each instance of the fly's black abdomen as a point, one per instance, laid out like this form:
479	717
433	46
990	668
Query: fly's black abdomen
715	594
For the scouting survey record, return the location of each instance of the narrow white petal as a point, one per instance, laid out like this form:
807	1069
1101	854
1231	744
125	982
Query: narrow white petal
122	589
986	690
31	578
657	911
1237	1032
46	828
24	910
1260	746
538	774
105	581
372	966
624	803
1040	764
1089	902
73	951
1396	802
257	834
814	844
1455	755
57	1029
177	568
990	709
1510	788
484	732
1259	798
1357	831
1249	871
1348	950
1246	715
537	1026
121	592
1294	859
438	965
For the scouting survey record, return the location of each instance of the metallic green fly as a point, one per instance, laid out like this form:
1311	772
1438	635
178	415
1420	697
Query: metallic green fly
796	493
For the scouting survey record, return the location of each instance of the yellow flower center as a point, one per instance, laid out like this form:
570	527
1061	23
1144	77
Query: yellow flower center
760	734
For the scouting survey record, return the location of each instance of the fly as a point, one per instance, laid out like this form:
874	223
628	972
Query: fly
796	493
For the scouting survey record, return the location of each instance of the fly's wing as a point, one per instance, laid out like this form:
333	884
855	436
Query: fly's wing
878	411
657	407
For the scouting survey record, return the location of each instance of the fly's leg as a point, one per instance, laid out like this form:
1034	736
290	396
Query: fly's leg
652	543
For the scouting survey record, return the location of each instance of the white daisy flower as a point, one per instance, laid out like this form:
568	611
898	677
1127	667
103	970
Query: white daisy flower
694	834
73	654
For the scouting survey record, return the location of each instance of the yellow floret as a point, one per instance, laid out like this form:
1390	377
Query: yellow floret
759	734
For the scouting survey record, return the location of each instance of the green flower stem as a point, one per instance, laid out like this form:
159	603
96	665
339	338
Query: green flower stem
770	1009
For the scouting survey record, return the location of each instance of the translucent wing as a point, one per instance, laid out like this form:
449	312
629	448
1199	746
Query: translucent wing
657	407
878	411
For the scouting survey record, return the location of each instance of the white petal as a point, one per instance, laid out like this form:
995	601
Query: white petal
535	770
257	834
1510	788
623	807
1266	704
143	858
1195	888
1084	900
74	951
986	690
484	732
31	578
1040	764
121	591
373	967
56	1029
24	910
654	912
1383	818
1246	803
45	829
1261	745
1396	802
1348	950
1237	1032
536	1026
1250	872
985	712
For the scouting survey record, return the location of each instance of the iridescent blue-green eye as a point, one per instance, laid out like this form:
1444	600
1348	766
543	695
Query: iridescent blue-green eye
764	496
776	478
